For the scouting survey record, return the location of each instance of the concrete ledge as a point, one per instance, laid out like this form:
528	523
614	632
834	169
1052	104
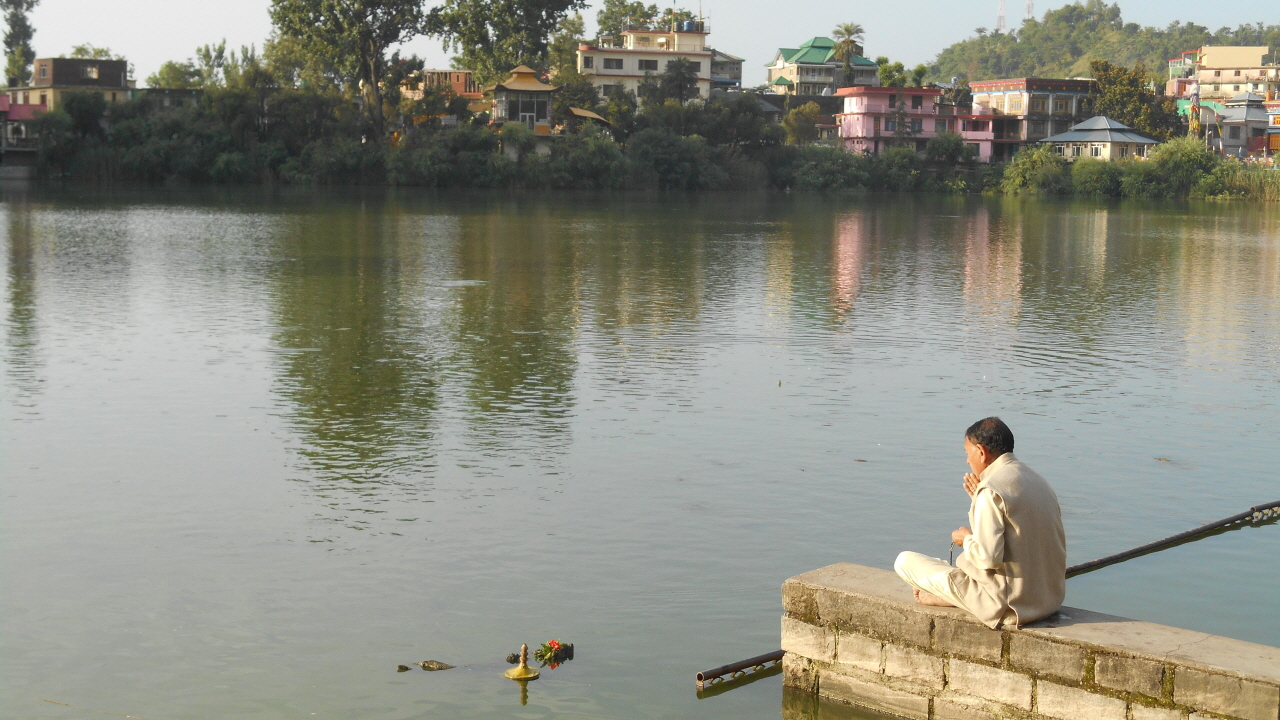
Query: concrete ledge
855	634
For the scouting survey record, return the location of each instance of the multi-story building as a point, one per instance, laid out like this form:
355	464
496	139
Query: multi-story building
459	81
622	63
1217	72
726	71
1272	106
54	78
1027	110
525	99
812	69
877	118
1240	128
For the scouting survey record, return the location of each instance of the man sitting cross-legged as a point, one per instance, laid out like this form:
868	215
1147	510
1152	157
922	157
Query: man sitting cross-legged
1013	567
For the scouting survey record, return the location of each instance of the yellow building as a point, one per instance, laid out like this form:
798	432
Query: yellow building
524	98
53	78
622	63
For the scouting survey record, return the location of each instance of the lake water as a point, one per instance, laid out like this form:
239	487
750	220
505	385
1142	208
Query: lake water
259	449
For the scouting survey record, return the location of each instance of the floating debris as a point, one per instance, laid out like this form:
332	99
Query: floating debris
402	668
433	665
513	658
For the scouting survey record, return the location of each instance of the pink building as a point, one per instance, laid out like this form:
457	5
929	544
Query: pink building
871	118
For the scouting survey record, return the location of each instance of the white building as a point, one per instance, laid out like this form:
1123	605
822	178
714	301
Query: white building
620	64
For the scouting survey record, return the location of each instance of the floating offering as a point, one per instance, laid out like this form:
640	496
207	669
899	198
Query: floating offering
522	671
402	668
553	652
433	665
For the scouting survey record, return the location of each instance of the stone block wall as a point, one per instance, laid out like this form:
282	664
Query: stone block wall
855	634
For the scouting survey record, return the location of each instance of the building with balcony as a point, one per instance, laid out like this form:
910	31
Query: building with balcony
1026	110
876	118
1272	106
1240	128
1218	73
621	64
726	71
1101	138
53	78
812	69
458	81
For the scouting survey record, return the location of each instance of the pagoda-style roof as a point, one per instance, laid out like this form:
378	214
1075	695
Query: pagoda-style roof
1246	98
525	79
1100	129
818	51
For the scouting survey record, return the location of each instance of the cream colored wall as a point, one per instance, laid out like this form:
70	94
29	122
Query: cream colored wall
1221	56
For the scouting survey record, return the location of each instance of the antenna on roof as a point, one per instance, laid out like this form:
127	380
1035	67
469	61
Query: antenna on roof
1000	26
1031	10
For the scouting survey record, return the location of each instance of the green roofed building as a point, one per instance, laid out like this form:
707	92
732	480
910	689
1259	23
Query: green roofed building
814	69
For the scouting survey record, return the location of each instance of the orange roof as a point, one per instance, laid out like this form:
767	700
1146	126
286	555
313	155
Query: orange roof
525	79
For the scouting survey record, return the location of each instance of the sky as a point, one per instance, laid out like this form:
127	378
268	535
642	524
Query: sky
149	32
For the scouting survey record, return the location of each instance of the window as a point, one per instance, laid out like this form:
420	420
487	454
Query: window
44	98
44	71
649	65
113	97
588	62
611	90
1237	73
1258	132
91	72
876	124
1124	151
696	67
890	125
1060	149
939	126
917	102
1075	150
917	126
1216	88
613	63
1140	150
1061	106
1235	87
1234	132
1038	106
1095	149
1217	73
1015	105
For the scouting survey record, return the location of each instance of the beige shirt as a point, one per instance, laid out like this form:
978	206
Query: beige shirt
1015	562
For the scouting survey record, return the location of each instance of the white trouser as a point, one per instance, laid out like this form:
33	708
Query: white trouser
931	575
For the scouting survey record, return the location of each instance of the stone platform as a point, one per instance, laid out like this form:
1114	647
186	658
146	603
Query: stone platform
855	634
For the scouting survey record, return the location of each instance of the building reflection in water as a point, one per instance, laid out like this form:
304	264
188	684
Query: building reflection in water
22	334
993	272
848	260
802	705
779	267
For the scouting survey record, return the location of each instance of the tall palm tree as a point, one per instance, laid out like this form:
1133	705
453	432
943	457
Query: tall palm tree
848	37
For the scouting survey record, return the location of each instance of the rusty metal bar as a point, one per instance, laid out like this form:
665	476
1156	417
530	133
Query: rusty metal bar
757	663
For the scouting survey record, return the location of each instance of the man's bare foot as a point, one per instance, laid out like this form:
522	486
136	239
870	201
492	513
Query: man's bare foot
925	598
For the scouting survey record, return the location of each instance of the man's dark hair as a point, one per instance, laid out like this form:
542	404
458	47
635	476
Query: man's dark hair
992	434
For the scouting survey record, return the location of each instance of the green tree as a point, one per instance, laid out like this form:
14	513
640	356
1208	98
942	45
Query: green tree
892	74
1125	95
958	94
576	91
563	51
17	38
88	51
917	75
801	124
616	15
1037	170
679	81
848	37
494	36
949	149
620	111
86	110
360	31
174	74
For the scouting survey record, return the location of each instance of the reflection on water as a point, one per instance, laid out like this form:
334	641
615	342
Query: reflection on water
269	447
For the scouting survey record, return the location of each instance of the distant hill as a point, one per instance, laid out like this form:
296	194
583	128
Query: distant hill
1063	43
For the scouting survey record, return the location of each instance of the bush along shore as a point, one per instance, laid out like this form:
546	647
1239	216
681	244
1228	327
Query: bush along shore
285	136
